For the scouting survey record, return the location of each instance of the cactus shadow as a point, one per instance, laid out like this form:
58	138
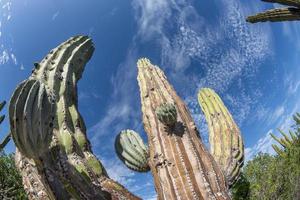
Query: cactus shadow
177	129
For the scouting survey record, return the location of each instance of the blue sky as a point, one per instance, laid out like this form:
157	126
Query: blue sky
254	68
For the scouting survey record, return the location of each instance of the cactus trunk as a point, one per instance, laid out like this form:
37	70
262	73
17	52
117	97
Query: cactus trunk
181	165
276	15
54	154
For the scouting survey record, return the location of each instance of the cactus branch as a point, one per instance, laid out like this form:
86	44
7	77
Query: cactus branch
132	151
276	15
224	135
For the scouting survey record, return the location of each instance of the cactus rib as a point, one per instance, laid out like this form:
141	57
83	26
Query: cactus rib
132	151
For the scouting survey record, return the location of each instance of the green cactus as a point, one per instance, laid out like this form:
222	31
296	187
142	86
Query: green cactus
53	150
8	136
279	14
167	114
132	151
286	142
32	116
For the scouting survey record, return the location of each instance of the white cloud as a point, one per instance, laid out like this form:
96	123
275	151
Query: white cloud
54	16
264	145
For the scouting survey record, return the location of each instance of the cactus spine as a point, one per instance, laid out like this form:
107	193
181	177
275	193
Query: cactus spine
53	150
6	139
181	165
280	14
224	135
132	151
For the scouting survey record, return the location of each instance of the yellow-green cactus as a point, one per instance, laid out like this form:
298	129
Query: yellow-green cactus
224	135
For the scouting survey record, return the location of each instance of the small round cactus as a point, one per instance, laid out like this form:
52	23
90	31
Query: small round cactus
167	114
132	151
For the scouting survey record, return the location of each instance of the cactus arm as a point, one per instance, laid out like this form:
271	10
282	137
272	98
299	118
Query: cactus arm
225	138
49	131
132	151
5	141
181	165
295	3
276	15
8	136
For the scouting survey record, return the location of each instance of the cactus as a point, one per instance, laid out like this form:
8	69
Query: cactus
181	166
8	136
280	14
132	151
224	135
53	153
167	114
286	142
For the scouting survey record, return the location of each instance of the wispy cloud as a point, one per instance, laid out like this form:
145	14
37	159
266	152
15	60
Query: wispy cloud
6	51
54	16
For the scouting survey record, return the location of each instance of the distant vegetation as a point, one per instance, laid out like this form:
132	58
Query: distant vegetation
273	177
11	186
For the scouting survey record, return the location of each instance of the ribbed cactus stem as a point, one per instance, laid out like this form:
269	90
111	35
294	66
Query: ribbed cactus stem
47	127
224	135
295	3
181	165
276	15
131	149
167	114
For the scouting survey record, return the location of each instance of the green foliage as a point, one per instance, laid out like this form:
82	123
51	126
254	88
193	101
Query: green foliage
270	177
10	180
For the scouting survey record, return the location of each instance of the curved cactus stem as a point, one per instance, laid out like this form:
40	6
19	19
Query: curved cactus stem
181	165
50	133
276	15
224	135
132	151
295	3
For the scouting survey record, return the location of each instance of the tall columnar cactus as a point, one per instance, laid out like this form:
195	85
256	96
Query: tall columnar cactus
53	152
280	14
224	135
181	165
131	149
5	141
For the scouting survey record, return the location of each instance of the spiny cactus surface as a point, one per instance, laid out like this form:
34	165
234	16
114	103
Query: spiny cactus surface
50	133
224	135
131	149
181	166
